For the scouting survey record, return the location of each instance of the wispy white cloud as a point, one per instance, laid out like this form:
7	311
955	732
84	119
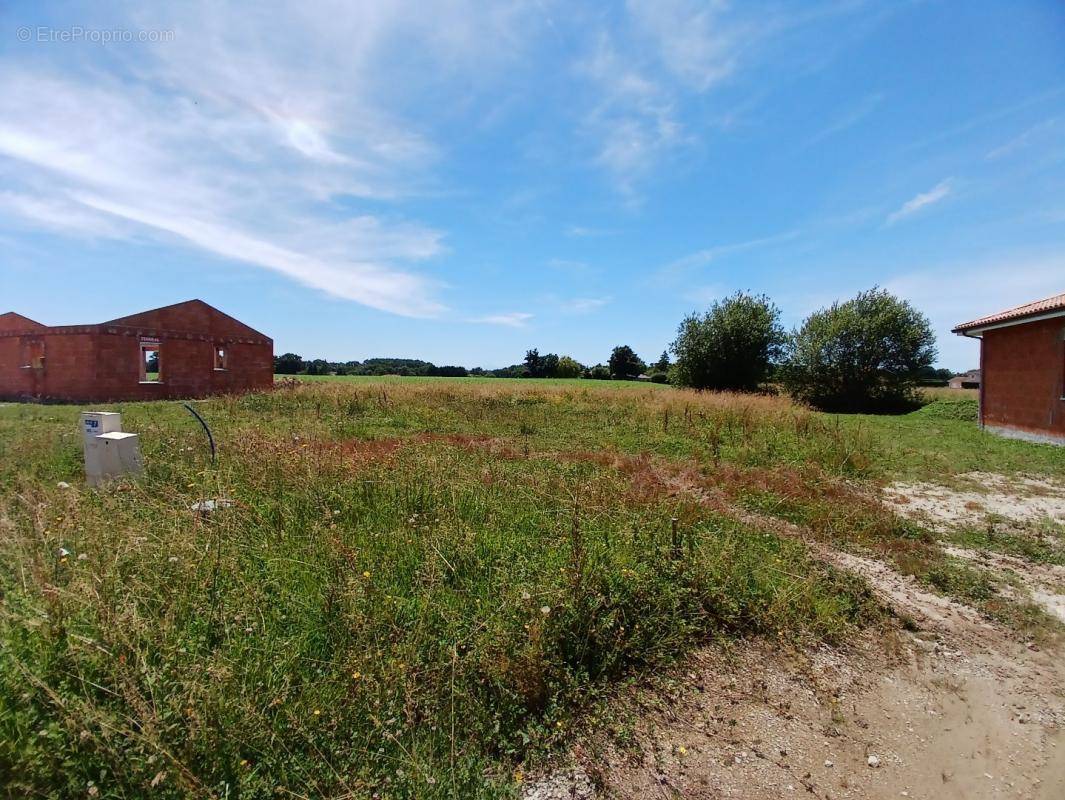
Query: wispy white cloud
364	281
651	72
232	139
634	122
984	119
706	256
581	231
584	305
59	214
850	119
695	41
641	71
1022	140
920	201
510	319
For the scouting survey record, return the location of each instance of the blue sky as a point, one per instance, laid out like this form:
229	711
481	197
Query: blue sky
460	181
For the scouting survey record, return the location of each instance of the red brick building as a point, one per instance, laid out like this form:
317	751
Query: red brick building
1022	362
185	350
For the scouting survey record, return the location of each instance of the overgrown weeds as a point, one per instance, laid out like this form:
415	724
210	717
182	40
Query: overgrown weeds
417	587
414	589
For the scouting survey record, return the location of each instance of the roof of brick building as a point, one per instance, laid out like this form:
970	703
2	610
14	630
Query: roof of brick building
1036	308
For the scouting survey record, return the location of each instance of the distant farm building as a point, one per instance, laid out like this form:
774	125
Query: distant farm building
1022	368
185	350
967	380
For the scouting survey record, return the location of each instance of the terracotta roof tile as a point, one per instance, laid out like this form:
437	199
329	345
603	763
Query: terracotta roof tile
1048	304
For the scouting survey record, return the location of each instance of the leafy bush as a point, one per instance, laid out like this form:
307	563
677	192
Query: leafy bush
865	354
731	346
568	368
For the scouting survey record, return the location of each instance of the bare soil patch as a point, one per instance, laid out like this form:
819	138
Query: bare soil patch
982	499
1044	583
977	495
942	703
956	709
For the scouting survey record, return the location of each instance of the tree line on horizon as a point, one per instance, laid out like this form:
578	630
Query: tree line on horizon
865	354
623	364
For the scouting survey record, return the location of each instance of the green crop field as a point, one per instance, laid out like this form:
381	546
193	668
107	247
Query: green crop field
420	588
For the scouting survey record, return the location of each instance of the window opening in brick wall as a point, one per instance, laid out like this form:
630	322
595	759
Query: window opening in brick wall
221	357
151	362
33	353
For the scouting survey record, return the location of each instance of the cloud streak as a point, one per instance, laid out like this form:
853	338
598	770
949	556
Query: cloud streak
644	68
701	258
921	201
510	319
1021	141
866	107
652	70
232	141
584	305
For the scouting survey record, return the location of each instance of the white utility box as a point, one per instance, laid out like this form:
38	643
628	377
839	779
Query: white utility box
111	455
93	423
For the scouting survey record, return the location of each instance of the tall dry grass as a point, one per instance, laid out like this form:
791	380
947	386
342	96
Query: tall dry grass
416	590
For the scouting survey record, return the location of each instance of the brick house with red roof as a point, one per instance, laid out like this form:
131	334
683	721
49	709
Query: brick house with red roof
1022	363
184	350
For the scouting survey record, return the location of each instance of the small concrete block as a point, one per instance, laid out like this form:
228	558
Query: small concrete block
111	455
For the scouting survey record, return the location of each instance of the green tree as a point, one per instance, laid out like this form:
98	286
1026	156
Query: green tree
450	371
288	364
534	364
550	366
624	364
731	346
568	368
538	366
662	365
865	354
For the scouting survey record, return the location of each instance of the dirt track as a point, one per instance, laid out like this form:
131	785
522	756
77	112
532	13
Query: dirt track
956	707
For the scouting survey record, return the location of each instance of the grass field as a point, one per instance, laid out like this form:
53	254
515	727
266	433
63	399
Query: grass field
421	586
472	381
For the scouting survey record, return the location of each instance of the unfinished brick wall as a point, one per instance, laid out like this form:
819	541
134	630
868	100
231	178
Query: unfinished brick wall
99	363
1024	378
16	322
